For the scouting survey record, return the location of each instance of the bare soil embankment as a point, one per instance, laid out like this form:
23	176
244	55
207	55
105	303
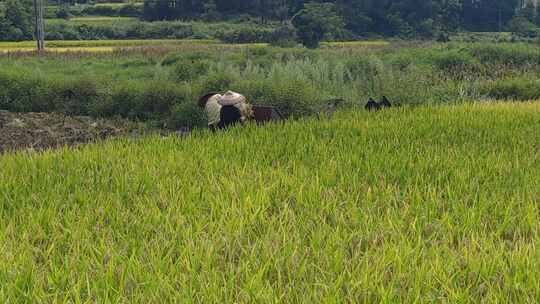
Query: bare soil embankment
39	131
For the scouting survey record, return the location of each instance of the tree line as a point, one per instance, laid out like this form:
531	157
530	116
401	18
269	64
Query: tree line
387	17
322	19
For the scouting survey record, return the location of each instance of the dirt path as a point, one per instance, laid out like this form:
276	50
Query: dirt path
39	131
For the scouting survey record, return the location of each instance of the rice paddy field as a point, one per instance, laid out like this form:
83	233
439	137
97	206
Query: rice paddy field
96	45
95	20
416	204
433	201
112	45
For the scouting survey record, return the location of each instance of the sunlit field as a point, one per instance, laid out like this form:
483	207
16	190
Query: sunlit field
401	163
94	20
413	204
108	45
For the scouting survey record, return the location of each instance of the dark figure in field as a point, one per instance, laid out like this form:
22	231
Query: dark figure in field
385	103
372	105
229	116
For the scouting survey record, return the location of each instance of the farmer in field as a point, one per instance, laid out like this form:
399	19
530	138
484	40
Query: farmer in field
224	110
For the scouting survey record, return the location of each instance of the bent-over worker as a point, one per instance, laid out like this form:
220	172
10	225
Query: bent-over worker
225	110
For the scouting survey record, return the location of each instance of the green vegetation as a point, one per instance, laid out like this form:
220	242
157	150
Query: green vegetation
159	83
261	21
416	204
93	20
116	44
114	28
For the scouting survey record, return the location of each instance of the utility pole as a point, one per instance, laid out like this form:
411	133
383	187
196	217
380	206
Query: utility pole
39	26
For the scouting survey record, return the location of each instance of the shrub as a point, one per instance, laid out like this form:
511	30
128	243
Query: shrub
443	36
63	13
521	26
128	10
20	93
512	89
291	96
186	114
138	30
317	20
453	61
401	61
217	81
74	97
247	34
507	54
283	36
190	69
364	67
174	58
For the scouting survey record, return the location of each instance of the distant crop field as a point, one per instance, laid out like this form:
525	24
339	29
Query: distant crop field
94	20
94	45
13	46
407	205
110	45
114	4
351	44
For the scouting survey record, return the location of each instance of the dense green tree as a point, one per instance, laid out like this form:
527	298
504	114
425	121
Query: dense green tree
16	23
405	18
315	21
522	26
538	15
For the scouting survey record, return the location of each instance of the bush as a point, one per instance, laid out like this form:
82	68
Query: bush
218	81
129	10
189	70
443	36
20	93
521	26
149	101
506	54
175	58
283	36
512	89
187	114
139	30
63	13
317	20
291	96
455	61
364	67
75	96
248	34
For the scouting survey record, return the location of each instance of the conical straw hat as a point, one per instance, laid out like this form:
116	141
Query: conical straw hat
231	98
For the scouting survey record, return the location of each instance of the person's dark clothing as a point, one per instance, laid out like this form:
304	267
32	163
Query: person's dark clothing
229	115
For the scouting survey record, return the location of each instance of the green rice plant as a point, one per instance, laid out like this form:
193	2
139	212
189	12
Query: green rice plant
406	205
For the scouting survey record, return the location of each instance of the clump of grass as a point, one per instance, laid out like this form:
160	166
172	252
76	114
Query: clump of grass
512	89
453	61
190	70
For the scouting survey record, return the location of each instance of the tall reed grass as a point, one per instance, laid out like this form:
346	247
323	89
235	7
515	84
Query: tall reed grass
295	80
